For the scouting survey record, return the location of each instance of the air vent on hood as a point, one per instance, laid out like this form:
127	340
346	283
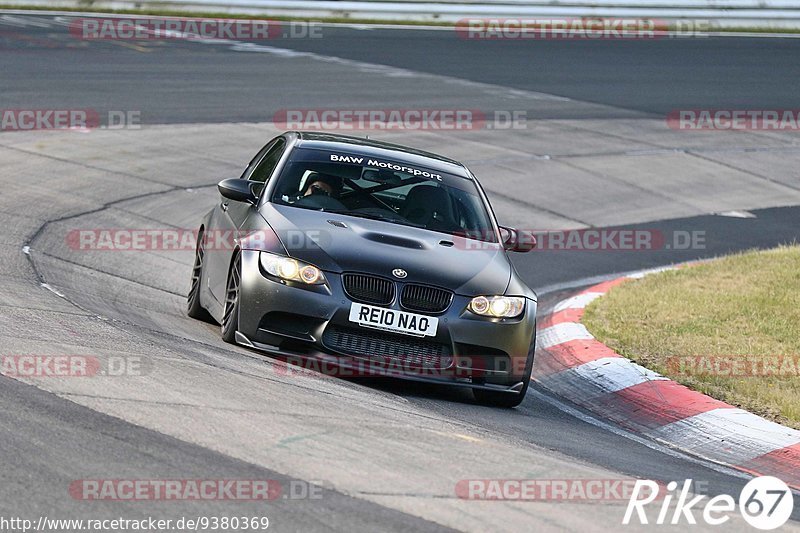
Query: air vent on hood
394	240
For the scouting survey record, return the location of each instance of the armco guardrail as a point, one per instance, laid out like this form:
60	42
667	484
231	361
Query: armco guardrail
721	13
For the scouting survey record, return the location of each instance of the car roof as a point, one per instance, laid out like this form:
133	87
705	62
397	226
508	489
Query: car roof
380	149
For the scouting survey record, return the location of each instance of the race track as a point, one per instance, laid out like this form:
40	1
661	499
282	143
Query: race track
596	153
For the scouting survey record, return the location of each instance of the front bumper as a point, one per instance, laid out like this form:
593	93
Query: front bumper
312	324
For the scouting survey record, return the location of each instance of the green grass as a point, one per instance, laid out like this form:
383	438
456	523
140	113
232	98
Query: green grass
744	307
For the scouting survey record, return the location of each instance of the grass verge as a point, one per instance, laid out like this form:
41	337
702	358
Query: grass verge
729	328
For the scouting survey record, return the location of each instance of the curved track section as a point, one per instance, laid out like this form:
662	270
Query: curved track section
390	455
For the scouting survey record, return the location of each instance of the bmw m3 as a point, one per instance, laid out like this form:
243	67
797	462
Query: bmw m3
368	255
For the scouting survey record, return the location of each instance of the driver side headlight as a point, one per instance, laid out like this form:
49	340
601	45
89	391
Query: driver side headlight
497	306
290	269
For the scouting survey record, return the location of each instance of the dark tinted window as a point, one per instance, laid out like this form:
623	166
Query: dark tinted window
385	190
270	160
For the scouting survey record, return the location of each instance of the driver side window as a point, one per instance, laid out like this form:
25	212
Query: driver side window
266	166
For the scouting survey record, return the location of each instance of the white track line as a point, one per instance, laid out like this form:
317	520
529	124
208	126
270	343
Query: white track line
561	333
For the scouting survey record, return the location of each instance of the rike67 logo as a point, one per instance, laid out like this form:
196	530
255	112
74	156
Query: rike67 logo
766	503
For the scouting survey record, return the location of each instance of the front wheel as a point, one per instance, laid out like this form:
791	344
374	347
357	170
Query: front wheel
230	319
193	307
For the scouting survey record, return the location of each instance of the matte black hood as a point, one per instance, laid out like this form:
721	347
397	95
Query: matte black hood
378	247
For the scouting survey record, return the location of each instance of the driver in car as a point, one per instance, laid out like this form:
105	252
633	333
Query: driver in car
324	184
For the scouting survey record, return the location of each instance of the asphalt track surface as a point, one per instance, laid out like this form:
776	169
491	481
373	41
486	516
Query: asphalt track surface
212	85
56	433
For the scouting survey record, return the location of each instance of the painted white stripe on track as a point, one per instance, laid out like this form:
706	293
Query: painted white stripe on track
613	374
560	333
587	383
730	435
579	301
639	439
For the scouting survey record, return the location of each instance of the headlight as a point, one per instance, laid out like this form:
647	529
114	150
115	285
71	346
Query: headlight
497	306
291	269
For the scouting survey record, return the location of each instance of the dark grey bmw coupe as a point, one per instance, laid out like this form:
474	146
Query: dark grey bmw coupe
372	258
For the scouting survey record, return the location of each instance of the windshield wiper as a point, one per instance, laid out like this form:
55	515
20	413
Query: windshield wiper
397	219
372	216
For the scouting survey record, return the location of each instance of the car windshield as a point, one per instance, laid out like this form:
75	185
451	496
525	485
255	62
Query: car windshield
380	189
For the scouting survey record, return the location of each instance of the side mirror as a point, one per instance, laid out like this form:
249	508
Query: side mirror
238	190
515	240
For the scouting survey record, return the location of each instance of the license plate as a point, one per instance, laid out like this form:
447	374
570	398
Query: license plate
392	320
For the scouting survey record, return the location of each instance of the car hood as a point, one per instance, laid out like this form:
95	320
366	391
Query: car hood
373	246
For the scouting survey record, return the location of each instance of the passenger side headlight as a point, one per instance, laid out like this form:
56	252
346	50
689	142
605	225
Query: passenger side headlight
291	269
497	306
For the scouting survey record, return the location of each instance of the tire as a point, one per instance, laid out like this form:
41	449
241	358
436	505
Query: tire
193	307
508	399
230	316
